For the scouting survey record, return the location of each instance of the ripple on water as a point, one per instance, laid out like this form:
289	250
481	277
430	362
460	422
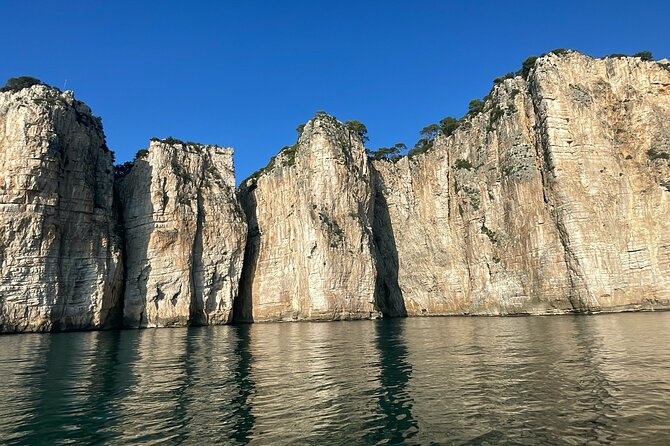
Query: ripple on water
535	380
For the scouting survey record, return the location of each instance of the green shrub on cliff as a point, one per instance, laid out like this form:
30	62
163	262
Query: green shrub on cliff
655	154
526	66
391	153
644	55
449	125
358	128
463	164
21	82
475	106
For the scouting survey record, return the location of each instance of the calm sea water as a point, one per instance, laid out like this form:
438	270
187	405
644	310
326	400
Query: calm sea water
531	380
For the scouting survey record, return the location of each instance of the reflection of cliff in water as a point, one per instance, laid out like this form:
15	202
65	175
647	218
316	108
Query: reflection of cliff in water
241	404
395	422
595	391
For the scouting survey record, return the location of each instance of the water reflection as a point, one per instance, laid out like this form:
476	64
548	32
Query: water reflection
396	424
559	380
244	419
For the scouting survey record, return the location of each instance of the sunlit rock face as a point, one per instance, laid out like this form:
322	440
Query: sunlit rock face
184	236
60	258
556	198
310	253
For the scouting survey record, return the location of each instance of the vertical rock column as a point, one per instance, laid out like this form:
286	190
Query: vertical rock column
310	252
605	133
60	259
185	235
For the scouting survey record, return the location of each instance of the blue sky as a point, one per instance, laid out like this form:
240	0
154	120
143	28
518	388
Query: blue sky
246	73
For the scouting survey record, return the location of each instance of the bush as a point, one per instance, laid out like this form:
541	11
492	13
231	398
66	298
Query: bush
358	128
289	153
392	153
654	154
172	141
496	113
615	56
500	79
141	154
300	129
644	55
21	82
423	145
475	106
463	164
430	131
493	237
560	51
449	125
526	66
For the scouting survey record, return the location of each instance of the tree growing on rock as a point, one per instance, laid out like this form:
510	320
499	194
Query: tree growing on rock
19	83
391	153
358	128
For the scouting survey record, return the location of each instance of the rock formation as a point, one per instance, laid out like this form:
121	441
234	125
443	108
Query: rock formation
551	196
60	260
310	253
554	199
184	236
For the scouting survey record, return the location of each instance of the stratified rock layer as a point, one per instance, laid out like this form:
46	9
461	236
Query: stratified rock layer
184	236
310	251
60	260
551	200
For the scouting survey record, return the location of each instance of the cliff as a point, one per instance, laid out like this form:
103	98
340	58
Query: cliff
310	252
184	236
60	258
554	199
551	196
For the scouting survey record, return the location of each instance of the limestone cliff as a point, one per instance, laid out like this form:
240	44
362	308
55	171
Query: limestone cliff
184	236
60	260
310	252
554	199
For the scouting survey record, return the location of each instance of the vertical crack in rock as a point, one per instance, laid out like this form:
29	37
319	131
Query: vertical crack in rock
243	304
388	296
198	316
185	236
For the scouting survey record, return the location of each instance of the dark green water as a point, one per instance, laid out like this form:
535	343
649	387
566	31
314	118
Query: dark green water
532	380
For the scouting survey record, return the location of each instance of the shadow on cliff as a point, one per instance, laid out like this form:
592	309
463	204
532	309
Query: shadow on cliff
243	302
388	295
93	232
135	196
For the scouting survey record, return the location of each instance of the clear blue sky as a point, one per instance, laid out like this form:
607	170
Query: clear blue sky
246	73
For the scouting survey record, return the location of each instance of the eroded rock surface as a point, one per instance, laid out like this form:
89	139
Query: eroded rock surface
60	258
184	236
554	199
310	252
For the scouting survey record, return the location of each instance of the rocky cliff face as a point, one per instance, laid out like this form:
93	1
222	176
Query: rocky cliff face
184	236
554	199
60	259
310	251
